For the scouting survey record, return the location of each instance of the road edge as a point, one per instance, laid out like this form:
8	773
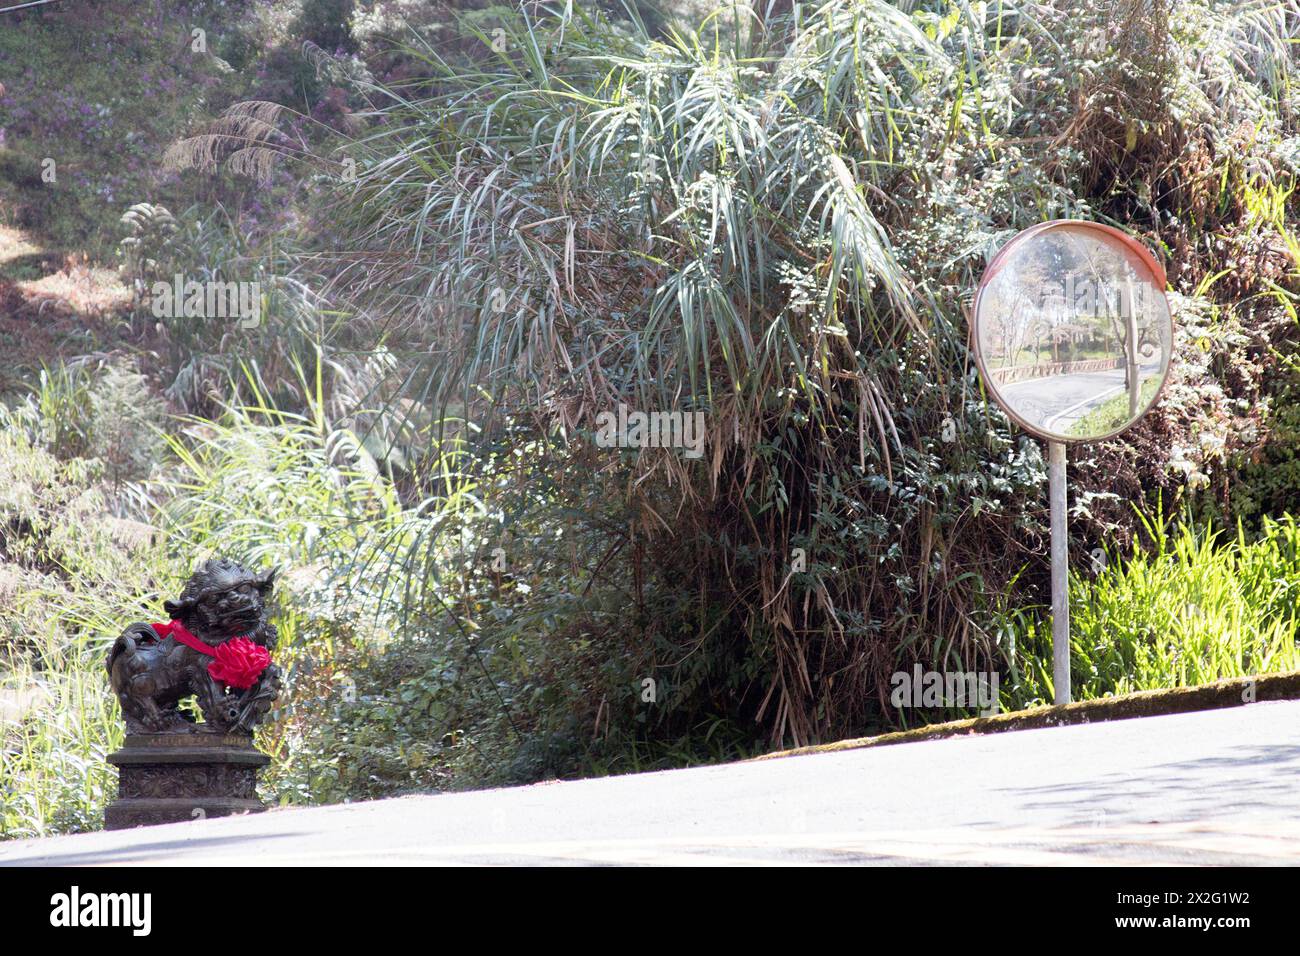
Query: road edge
1230	692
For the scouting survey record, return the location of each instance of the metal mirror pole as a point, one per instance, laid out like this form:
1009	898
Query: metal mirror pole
1070	394
1060	574
1131	351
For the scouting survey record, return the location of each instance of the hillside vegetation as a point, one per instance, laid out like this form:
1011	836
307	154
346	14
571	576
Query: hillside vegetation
477	228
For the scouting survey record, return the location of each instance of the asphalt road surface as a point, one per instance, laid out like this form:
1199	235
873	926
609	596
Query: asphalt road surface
1055	402
1214	787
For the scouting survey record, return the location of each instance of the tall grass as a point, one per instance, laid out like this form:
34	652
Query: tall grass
1194	607
60	724
67	585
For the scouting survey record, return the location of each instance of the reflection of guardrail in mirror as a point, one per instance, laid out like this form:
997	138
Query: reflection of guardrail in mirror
1022	373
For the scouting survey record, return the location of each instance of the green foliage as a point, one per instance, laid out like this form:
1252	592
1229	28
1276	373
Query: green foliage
784	241
204	353
1191	609
107	413
147	251
125	420
56	732
55	414
73	101
66	579
326	23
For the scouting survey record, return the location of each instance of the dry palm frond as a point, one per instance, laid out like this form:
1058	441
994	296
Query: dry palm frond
245	139
262	111
255	162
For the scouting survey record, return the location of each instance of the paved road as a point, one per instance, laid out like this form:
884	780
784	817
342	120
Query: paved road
1055	403
1209	787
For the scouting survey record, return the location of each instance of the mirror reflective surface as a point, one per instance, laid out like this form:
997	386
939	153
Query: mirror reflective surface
1072	330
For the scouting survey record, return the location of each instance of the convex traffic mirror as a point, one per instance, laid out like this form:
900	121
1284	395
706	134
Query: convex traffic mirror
1073	338
1072	330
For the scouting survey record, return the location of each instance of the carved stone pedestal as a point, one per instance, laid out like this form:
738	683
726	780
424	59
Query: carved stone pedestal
168	778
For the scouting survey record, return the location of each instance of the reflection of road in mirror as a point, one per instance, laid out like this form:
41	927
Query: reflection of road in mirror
1077	404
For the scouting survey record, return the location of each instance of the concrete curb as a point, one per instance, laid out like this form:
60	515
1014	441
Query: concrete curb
1232	692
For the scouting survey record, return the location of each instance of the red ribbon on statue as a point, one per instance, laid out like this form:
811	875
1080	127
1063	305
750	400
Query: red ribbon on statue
239	661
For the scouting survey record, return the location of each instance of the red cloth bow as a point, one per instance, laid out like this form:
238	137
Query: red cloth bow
239	661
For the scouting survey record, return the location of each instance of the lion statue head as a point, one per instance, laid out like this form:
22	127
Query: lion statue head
223	600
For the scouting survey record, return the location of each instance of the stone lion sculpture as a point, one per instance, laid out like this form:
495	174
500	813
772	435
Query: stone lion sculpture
216	648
